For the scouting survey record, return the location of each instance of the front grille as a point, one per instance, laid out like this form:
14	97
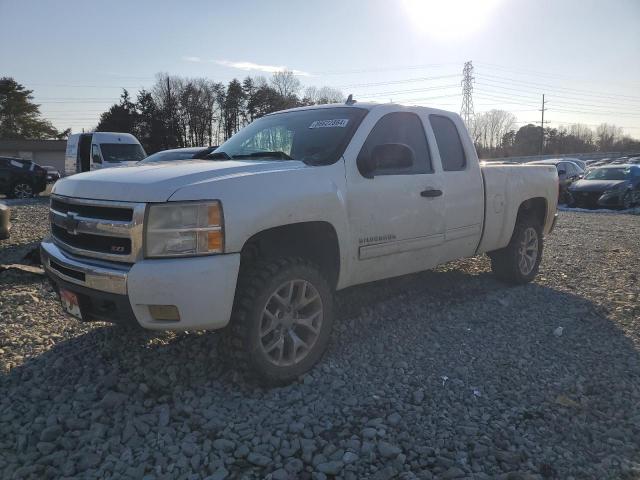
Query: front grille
66	271
587	199
93	211
96	243
99	229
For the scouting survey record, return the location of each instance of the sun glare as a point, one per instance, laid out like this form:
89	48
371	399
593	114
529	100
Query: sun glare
445	19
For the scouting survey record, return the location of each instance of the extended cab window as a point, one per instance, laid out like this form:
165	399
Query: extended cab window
449	143
404	128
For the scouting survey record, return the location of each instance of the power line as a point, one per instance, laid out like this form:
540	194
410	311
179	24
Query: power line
586	93
399	92
546	75
385	69
393	82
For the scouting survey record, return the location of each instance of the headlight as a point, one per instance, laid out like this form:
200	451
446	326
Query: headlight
616	190
184	229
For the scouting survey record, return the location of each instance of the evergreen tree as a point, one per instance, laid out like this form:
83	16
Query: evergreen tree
20	117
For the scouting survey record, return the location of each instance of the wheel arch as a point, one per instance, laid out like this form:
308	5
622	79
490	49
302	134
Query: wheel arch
316	241
533	207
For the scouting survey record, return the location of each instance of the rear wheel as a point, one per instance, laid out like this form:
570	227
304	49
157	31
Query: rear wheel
22	190
519	261
627	201
281	322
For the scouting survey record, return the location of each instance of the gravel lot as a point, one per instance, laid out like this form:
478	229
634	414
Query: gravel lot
445	374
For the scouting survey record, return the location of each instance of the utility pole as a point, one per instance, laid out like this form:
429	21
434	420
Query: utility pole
542	126
466	112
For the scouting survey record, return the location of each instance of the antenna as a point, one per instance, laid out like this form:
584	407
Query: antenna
466	112
350	100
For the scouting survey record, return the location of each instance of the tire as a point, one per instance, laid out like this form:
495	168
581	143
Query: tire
570	201
22	190
508	263
627	201
281	320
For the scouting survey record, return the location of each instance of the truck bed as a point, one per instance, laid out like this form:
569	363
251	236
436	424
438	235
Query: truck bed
505	188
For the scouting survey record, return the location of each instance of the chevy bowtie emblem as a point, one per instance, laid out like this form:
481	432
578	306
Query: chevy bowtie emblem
71	223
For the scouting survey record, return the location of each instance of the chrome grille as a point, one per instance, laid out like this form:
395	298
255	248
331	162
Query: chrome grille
98	229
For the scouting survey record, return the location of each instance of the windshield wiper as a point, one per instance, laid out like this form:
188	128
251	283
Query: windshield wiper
279	155
218	156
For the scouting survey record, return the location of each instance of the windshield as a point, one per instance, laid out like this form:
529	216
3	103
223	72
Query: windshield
316	137
168	156
122	152
609	174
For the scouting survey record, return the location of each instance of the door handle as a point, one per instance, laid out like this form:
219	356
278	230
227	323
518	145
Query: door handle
430	193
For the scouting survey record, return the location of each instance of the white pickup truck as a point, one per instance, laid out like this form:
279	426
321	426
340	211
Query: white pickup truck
298	204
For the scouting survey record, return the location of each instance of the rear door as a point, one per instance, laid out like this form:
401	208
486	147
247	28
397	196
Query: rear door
396	217
462	186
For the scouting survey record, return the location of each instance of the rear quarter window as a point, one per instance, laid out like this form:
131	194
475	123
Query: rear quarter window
449	143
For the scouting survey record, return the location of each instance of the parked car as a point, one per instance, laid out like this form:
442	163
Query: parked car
178	154
581	163
5	221
53	174
21	178
302	202
620	161
568	172
97	150
610	186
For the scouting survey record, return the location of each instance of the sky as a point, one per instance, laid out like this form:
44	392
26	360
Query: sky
584	55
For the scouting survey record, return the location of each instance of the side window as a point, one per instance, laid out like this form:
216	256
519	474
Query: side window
449	143
404	128
95	154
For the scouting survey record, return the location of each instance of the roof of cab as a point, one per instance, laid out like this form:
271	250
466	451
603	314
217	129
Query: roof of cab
366	106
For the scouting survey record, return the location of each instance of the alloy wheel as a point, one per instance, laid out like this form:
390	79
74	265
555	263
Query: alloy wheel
291	322
528	251
23	190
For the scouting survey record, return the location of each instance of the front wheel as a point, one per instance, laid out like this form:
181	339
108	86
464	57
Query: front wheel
627	201
519	261
22	190
281	322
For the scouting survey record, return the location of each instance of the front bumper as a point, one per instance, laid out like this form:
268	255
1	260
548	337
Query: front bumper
597	199
201	288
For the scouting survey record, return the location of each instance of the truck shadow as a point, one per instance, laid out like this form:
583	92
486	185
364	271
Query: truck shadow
463	339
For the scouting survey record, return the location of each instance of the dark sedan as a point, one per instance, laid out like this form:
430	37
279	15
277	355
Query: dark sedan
53	175
189	153
568	173
605	187
21	178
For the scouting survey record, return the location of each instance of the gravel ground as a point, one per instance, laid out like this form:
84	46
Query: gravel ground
444	374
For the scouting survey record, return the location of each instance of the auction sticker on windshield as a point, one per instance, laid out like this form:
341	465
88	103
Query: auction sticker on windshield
335	123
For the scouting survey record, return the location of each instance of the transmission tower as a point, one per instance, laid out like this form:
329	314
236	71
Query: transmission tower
467	94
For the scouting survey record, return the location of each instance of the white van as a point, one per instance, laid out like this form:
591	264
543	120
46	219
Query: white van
92	151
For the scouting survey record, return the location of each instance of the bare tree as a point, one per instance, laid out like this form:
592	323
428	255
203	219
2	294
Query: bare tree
607	135
322	95
286	83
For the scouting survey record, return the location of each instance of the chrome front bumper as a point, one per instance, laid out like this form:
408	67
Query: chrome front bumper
94	275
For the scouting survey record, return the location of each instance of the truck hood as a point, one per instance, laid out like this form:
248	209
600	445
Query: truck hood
157	182
596	185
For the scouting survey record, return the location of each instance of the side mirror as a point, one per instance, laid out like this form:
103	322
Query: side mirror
384	157
562	172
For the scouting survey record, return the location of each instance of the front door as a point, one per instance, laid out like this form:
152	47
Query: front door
396	217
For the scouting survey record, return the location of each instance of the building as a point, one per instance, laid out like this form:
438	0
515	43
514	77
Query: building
42	152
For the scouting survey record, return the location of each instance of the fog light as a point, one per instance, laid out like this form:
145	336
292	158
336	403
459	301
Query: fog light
165	313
